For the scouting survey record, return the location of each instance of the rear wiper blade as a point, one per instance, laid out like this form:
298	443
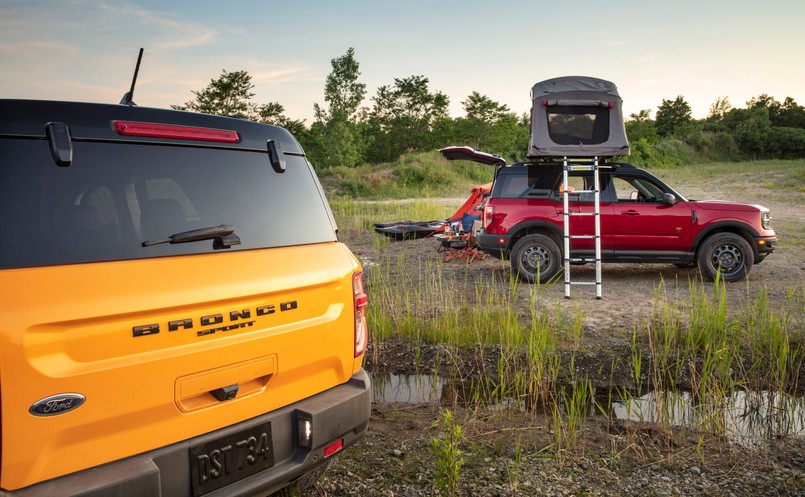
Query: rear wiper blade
223	236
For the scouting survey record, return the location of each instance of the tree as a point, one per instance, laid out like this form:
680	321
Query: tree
272	113
229	95
719	109
641	126
484	109
488	126
404	116
335	136
342	91
752	130
671	115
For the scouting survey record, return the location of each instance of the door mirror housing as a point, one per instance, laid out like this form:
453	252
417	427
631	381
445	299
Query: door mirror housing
668	199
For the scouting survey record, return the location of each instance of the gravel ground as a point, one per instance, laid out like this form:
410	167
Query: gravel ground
395	459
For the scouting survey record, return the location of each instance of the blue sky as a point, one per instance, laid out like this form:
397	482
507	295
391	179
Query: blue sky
86	49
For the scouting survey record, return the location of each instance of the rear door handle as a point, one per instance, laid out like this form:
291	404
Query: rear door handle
630	212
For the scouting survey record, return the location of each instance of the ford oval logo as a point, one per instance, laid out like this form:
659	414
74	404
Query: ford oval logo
57	404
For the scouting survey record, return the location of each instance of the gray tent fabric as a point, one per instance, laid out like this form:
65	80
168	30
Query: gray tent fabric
577	116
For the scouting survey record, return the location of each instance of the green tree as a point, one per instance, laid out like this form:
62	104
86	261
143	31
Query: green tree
231	95
488	126
671	115
342	91
719	109
641	126
752	131
335	137
273	113
404	117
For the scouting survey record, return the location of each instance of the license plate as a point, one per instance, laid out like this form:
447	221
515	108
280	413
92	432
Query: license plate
228	459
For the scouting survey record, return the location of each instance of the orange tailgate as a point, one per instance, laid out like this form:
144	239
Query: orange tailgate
161	354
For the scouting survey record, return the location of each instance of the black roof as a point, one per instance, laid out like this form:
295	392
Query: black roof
94	121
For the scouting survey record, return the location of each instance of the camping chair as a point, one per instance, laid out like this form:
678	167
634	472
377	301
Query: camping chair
461	245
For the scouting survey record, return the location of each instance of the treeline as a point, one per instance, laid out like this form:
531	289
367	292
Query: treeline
408	116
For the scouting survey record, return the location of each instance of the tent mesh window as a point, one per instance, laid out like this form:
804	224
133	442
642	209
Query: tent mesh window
588	125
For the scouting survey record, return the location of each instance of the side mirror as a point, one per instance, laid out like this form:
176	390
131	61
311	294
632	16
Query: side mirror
668	199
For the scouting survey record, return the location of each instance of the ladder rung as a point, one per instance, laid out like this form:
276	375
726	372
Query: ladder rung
581	237
577	167
580	213
584	282
582	259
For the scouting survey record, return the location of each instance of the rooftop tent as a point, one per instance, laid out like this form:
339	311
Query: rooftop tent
576	116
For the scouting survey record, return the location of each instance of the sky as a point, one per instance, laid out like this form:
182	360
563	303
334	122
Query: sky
652	50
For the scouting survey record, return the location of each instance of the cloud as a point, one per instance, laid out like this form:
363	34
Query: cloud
170	32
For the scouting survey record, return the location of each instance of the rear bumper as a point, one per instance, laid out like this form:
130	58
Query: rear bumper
341	413
494	244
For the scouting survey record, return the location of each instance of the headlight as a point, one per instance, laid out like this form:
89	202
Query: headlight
765	220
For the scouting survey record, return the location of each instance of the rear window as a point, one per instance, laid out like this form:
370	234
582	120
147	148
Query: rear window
578	125
115	196
533	180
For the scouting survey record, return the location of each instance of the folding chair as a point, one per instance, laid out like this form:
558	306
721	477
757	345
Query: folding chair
462	246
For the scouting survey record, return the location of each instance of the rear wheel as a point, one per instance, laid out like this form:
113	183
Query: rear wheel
727	252
536	258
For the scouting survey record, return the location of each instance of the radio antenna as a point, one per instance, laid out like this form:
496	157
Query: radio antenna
128	97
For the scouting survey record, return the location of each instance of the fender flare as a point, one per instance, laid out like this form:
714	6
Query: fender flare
524	228
742	229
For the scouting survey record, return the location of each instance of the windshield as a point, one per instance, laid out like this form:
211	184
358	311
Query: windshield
116	196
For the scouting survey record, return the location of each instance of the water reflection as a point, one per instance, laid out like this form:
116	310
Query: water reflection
744	417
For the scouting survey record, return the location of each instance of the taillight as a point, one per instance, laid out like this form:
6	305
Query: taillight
151	130
488	212
361	301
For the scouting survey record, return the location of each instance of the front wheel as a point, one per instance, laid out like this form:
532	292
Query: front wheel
536	258
727	252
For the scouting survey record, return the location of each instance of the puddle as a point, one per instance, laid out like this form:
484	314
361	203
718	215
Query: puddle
409	389
745	417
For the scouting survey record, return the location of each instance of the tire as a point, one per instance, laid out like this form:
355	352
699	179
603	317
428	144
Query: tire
536	257
728	252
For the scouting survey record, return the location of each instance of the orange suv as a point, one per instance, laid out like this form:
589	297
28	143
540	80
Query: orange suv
179	317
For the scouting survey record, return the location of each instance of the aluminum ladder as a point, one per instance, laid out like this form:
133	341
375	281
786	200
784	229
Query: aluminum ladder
586	164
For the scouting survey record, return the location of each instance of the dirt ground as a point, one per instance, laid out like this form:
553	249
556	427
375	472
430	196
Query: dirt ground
510	453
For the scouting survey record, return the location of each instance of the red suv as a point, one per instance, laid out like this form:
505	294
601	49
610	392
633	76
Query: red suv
642	220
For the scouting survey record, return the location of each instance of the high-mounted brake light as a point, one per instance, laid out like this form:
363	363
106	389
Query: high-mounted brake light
361	301
152	130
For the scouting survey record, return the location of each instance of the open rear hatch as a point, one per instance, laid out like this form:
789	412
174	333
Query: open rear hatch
470	154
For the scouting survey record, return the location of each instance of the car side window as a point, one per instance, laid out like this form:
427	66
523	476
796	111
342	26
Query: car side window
636	190
575	185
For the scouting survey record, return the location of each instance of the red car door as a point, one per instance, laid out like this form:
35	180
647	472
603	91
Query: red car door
644	225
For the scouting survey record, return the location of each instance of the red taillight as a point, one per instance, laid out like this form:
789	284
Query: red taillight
333	448
361	301
151	130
